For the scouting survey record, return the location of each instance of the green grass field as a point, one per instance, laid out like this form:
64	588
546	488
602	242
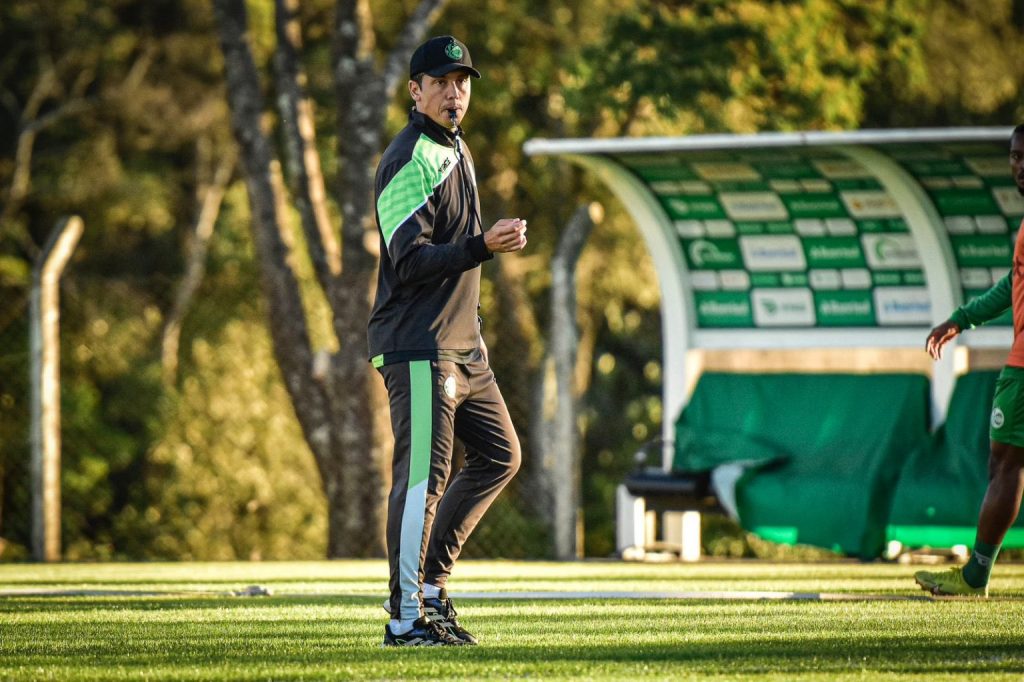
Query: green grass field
324	621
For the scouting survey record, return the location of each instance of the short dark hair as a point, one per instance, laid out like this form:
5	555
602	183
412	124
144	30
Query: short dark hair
419	78
1019	130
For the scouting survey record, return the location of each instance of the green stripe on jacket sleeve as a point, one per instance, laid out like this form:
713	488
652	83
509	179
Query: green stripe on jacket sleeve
403	196
412	186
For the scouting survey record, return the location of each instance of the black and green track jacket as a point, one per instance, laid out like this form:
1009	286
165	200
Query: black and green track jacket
431	244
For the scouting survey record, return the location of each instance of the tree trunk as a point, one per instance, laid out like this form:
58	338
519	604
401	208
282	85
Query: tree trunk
303	161
338	399
209	202
362	473
280	288
560	433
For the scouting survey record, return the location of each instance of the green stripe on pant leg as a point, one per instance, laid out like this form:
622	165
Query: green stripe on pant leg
421	384
421	420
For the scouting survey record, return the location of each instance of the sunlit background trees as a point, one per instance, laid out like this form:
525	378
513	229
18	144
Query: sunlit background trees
180	437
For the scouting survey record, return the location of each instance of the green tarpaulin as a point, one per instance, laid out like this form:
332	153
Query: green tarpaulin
824	450
941	487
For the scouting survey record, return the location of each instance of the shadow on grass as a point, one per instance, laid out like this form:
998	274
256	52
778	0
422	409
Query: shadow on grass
295	636
311	649
174	601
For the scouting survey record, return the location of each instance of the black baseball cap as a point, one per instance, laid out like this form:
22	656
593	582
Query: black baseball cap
441	55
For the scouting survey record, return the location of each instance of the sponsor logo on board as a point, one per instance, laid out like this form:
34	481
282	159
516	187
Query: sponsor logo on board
773	253
708	254
1011	203
870	204
903	306
725	171
783	308
890	251
753	206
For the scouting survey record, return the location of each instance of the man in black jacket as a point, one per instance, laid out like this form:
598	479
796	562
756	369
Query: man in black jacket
424	338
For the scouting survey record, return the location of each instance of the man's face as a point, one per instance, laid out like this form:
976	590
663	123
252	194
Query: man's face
439	95
1017	160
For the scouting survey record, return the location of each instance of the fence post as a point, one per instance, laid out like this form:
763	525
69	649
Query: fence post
44	311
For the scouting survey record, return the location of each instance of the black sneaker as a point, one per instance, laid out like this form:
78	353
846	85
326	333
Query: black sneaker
423	633
442	611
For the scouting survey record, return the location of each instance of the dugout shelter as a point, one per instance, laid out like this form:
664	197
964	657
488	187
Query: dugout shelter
799	275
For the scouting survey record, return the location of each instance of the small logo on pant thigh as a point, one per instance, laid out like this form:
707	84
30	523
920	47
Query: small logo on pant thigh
450	386
997	418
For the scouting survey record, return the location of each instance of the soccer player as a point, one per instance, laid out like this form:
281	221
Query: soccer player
424	338
1006	460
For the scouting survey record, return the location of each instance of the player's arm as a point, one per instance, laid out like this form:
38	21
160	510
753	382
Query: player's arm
976	312
405	213
985	307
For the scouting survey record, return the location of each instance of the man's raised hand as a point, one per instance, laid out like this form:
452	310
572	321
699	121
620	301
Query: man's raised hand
508	234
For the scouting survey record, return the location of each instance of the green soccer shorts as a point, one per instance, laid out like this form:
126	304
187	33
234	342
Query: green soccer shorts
1007	421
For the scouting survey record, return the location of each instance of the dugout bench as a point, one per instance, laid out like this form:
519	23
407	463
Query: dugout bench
652	502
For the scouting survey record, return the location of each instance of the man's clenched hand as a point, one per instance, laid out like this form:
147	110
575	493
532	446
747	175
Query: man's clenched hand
508	234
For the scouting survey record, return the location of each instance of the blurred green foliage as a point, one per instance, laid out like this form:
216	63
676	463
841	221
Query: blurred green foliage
230	477
125	105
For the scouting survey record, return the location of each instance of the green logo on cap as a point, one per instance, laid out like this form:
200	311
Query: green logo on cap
453	51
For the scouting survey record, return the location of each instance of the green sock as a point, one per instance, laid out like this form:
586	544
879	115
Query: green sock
979	568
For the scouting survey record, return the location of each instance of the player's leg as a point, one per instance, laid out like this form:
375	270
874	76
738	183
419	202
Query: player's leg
1001	504
999	510
493	457
483	424
423	430
1002	501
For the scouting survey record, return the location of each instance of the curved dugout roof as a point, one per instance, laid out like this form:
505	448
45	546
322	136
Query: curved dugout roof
799	240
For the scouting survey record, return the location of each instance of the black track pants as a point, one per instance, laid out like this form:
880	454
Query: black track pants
433	402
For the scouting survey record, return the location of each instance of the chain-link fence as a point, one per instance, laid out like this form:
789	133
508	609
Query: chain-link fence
517	525
207	463
15	498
